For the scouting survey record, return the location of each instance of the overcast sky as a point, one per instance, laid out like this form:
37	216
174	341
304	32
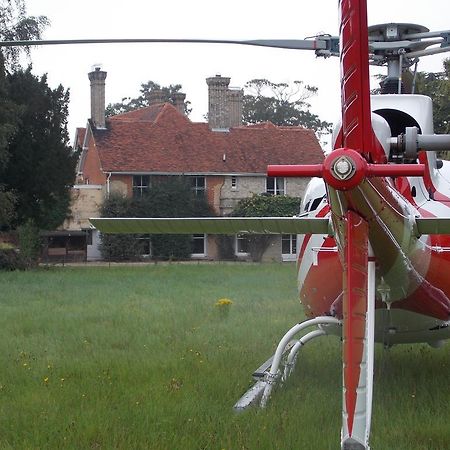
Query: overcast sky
129	65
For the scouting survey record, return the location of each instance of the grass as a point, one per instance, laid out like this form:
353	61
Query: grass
142	358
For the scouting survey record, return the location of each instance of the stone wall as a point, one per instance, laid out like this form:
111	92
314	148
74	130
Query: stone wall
246	186
86	200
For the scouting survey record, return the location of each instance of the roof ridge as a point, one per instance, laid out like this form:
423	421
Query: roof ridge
170	109
123	116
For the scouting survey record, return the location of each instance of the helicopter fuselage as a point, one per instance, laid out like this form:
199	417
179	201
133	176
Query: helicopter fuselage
412	287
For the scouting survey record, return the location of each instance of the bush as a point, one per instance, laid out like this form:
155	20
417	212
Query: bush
29	243
10	259
120	247
263	205
225	247
170	197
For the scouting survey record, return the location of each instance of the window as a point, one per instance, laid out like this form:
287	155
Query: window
234	183
242	245
146	245
288	246
141	184
198	245
275	185
198	185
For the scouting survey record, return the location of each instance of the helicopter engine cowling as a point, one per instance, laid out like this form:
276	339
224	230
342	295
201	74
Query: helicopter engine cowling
380	127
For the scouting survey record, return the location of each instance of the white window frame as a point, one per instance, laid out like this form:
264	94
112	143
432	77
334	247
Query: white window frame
147	238
141	188
276	192
234	183
236	247
195	188
291	256
205	246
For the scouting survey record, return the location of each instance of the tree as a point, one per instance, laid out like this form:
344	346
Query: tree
263	205
437	86
167	197
7	208
14	25
129	104
281	104
119	246
41	165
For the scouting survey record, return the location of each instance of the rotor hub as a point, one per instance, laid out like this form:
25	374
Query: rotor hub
344	169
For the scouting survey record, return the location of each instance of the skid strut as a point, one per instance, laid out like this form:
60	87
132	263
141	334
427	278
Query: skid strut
270	373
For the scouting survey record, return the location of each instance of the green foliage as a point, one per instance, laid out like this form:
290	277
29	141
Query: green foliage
437	86
281	104
7	210
168	197
11	259
14	25
129	104
225	247
119	246
263	205
29	243
41	166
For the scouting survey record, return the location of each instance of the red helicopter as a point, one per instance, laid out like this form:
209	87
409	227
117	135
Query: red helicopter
377	211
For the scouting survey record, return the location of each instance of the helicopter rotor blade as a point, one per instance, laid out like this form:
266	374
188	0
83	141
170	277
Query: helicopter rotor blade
427	52
319	43
357	333
357	134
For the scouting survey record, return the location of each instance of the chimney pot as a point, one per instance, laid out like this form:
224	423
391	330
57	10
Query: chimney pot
97	78
218	108
155	97
178	99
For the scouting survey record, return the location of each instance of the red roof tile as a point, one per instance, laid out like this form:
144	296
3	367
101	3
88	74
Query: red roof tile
79	137
160	139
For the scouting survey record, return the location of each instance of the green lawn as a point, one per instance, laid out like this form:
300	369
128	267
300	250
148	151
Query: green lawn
141	358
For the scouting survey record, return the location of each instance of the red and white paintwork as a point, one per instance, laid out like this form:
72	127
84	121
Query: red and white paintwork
413	288
376	274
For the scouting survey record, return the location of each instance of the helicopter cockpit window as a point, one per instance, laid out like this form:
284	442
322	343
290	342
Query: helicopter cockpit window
312	205
316	202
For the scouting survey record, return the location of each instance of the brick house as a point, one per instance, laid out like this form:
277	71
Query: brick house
225	160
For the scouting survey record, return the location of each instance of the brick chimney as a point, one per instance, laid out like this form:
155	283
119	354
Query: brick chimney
178	99
218	109
155	97
235	105
97	78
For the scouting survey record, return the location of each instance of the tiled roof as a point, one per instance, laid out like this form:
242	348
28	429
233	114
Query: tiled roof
148	114
79	137
160	139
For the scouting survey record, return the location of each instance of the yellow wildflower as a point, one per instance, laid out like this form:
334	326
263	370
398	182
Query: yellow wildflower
223	302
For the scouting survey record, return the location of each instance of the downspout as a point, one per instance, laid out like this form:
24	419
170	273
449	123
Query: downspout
107	184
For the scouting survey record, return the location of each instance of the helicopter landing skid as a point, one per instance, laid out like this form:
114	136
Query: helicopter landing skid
277	368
